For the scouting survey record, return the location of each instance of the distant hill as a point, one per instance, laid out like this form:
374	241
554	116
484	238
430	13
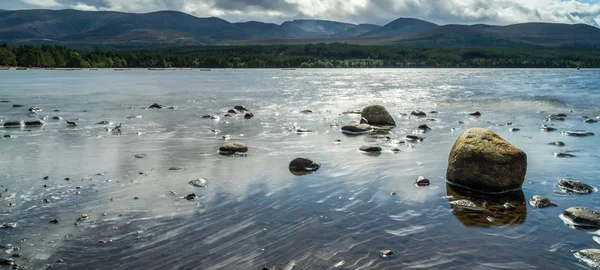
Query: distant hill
400	27
173	28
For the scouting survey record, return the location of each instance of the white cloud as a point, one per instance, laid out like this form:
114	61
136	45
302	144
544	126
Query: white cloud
358	11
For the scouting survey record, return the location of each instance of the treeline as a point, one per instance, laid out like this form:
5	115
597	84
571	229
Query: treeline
335	55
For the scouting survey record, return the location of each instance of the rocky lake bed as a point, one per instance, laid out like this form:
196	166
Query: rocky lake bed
272	169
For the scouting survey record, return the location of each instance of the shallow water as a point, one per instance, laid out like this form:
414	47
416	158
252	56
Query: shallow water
254	213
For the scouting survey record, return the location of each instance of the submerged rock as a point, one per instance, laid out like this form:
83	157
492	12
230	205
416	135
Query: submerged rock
306	111
34	123
103	123
422	181
414	138
248	115
156	106
200	182
418	113
589	256
18	106
481	160
563	155
424	128
370	149
377	115
582	216
14	124
559	143
514	129
174	168
357	129
571	186
191	196
56	118
140	155
541	202
590	121
303	165
240	108
233	147
578	133
476	113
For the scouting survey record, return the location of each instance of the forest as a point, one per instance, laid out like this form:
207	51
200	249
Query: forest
334	55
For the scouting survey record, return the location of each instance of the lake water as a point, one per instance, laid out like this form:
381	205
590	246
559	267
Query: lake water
254	213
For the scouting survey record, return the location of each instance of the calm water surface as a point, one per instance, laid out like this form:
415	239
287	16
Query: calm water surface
254	212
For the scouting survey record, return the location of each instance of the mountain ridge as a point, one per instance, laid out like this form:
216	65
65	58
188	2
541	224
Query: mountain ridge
173	28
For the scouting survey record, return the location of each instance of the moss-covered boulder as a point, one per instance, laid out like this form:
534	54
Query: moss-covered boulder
483	161
377	115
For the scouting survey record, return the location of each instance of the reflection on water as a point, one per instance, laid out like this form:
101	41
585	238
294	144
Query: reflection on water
477	210
254	213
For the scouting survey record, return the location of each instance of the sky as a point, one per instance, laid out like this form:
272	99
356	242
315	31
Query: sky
498	12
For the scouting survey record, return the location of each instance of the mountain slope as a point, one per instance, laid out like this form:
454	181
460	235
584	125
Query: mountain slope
401	26
550	34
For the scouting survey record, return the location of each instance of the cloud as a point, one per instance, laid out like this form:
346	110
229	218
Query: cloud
357	11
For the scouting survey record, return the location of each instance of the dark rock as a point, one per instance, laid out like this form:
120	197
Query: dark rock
191	196
548	129
175	168
14	124
590	121
136	198
422	181
45	178
34	123
156	106
514	129
424	128
200	182
396	150
377	115
303	165
541	202
433	112
578	133
357	129
35	109
582	216
227	115
248	115
563	155
207	116
418	113
431	120
46	201
460	122
414	138
352	112
240	108
483	161
303	130
571	186
103	123
557	143
7	136
140	155
589	256
54	221
56	118
477	113
370	149
67	179
18	105
9	225
233	147
232	111
306	111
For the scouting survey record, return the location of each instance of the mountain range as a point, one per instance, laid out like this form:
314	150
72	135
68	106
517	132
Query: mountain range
170	28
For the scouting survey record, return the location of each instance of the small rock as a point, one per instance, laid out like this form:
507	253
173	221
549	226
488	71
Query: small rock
337	141
136	198
476	113
248	115
574	187
589	256
541	202
60	261
578	133
14	124
18	105
191	197
306	111
56	118
509	206
460	122
156	106
582	216
200	182
557	143
590	121
83	217
240	108
413	138
35	109
67	179
433	112
424	128
563	155
54	221
103	123
34	123
393	193
370	149
45	178
233	147
7	136
227	115
514	129
46	201
418	113
232	111
140	155
303	130
9	225
175	168
386	253
396	150
357	129
422	181
303	165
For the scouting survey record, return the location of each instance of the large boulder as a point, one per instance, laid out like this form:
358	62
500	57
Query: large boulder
377	115
302	166
232	148
483	161
582	217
